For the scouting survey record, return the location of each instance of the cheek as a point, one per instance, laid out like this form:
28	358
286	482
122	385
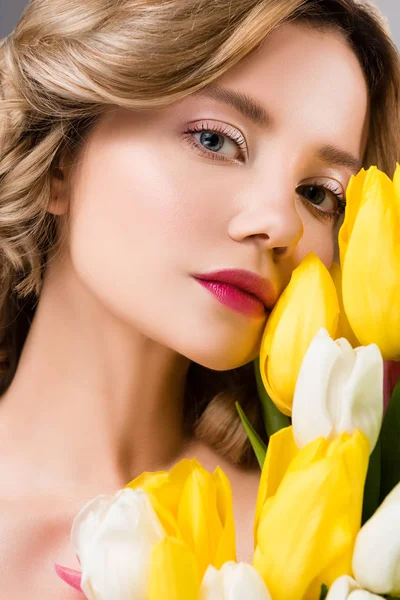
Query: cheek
318	237
137	230
136	219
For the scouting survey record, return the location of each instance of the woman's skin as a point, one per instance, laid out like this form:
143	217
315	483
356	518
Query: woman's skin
97	397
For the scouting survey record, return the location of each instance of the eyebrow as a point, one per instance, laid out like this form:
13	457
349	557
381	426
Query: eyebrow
336	156
246	105
255	112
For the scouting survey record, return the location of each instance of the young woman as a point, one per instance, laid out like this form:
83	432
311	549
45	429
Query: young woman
146	145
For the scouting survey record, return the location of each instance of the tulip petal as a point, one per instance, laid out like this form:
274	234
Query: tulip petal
344	330
371	278
338	389
212	586
165	489
362	395
354	198
379	572
148	480
364	595
70	576
165	515
160	486
87	521
234	581
226	547
342	587
347	588
196	508
274	420
115	555
311	417
292	325
280	452
174	574
396	183
198	518
316	510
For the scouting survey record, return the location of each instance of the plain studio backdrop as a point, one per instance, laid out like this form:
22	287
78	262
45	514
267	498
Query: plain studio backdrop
11	10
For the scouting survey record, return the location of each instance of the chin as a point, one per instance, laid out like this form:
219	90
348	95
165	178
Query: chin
223	357
226	365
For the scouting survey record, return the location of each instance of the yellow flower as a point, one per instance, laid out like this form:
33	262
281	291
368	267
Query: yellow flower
308	512
370	259
308	303
344	330
354	197
174	574
195	507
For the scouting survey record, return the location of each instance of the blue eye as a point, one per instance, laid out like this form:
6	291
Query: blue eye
212	136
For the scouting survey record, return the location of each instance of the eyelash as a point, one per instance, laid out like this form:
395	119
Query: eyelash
241	143
339	199
235	136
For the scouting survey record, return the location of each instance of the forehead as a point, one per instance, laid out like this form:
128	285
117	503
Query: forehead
310	81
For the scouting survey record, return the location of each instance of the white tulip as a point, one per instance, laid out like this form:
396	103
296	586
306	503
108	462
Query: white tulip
346	588
233	581
376	557
113	537
338	389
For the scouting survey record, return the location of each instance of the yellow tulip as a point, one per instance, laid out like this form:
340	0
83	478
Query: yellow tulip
344	330
307	304
174	576
195	507
370	260
308	512
174	573
354	197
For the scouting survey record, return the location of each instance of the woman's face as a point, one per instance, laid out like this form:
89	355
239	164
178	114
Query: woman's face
160	197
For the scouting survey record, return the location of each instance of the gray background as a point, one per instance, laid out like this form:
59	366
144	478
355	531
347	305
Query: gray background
10	11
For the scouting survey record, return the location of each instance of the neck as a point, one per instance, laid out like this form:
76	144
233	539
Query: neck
94	402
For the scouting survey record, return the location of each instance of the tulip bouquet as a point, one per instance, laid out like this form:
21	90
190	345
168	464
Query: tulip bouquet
314	386
327	522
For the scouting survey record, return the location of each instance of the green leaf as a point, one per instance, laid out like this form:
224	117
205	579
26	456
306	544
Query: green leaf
259	447
324	592
372	486
390	442
274	420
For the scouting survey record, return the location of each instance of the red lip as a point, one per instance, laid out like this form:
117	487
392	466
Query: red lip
235	281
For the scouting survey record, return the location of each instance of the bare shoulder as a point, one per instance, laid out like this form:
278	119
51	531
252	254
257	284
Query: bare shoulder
244	483
30	542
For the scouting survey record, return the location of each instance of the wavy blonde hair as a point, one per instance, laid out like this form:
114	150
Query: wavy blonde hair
66	62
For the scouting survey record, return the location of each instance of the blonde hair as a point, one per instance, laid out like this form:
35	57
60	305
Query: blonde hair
66	62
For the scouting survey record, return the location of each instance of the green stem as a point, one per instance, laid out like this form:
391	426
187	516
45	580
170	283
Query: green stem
390	442
274	420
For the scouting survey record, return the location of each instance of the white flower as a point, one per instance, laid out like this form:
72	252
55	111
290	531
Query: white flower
233	581
338	389
346	588
376	557
113	538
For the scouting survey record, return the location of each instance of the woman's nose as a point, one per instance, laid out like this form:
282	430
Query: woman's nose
270	215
